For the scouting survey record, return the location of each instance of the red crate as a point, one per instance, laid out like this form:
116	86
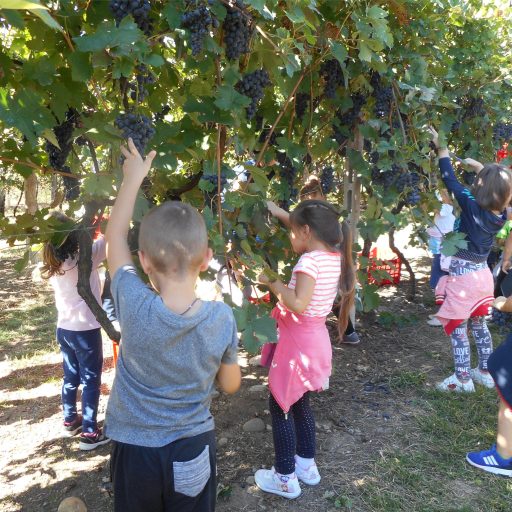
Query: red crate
392	267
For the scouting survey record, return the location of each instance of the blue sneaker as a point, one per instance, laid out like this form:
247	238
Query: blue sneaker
490	461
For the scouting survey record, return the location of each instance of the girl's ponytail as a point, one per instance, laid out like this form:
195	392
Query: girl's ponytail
347	278
51	262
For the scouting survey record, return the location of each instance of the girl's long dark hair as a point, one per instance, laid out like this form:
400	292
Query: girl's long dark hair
323	220
54	256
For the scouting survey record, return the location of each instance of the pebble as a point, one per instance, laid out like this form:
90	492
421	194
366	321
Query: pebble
269	428
254	425
258	388
255	361
223	441
250	480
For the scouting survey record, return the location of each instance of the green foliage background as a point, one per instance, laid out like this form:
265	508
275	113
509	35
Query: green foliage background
71	54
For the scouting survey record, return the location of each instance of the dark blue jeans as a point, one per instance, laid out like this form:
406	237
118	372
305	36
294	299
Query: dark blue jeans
82	353
435	272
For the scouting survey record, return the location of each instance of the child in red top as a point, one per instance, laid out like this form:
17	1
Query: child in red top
301	360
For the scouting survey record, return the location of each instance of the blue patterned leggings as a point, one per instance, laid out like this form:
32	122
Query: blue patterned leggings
294	433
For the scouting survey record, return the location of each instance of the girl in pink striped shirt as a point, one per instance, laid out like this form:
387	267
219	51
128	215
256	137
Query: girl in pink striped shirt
301	361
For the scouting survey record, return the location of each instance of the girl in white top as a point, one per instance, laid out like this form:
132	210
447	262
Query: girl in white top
78	334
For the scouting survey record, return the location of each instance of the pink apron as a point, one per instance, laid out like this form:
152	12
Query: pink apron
301	360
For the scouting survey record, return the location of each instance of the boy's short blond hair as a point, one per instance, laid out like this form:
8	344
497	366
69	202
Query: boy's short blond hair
173	237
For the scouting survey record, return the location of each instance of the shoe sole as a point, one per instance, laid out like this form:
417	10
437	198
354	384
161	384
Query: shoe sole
88	447
71	433
490	469
456	390
287	495
351	342
310	482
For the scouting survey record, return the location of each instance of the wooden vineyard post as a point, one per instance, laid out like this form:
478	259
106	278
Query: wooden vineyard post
352	187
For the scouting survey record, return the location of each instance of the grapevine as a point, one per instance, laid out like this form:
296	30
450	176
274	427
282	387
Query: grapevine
237	30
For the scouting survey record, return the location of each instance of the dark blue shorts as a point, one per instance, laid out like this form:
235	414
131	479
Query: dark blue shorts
180	476
500	367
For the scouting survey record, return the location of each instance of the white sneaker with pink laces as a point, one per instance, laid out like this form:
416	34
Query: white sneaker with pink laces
309	475
269	480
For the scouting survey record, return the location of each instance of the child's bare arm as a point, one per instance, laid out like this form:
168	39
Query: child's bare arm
229	378
279	213
295	300
135	169
507	253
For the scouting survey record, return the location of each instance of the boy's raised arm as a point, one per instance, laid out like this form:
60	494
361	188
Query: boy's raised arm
135	169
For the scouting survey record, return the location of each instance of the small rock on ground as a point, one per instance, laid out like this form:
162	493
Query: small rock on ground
254	425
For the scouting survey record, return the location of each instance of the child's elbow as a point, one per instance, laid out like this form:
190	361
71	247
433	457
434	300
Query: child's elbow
232	387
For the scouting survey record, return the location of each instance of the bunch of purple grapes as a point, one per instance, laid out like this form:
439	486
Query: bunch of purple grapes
143	77
331	72
301	104
198	21
327	180
502	132
57	156
347	119
210	196
288	171
139	9
383	96
159	116
137	127
252	85
237	30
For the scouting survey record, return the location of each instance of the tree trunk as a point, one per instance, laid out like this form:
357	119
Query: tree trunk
85	269
31	194
2	202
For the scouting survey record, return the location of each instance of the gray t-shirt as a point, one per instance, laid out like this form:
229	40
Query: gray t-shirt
166	367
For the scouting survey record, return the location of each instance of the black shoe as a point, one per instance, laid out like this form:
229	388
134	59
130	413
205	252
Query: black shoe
71	428
91	440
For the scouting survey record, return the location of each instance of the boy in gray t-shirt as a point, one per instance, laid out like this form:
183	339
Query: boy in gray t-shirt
174	346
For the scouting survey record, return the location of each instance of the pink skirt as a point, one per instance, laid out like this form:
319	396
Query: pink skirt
301	361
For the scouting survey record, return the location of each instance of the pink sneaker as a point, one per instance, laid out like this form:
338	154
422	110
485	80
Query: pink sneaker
269	480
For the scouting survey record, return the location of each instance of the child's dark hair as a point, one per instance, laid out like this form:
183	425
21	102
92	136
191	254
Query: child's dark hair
54	256
492	187
323	220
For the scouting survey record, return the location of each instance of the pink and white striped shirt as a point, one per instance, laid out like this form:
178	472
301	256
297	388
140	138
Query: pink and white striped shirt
325	268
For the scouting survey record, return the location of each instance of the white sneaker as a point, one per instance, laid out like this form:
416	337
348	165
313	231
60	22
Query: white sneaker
483	378
434	322
452	383
309	476
269	480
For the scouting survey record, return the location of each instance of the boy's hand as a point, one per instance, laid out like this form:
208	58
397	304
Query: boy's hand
135	168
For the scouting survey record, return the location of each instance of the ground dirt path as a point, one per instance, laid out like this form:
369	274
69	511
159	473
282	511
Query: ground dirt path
374	410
